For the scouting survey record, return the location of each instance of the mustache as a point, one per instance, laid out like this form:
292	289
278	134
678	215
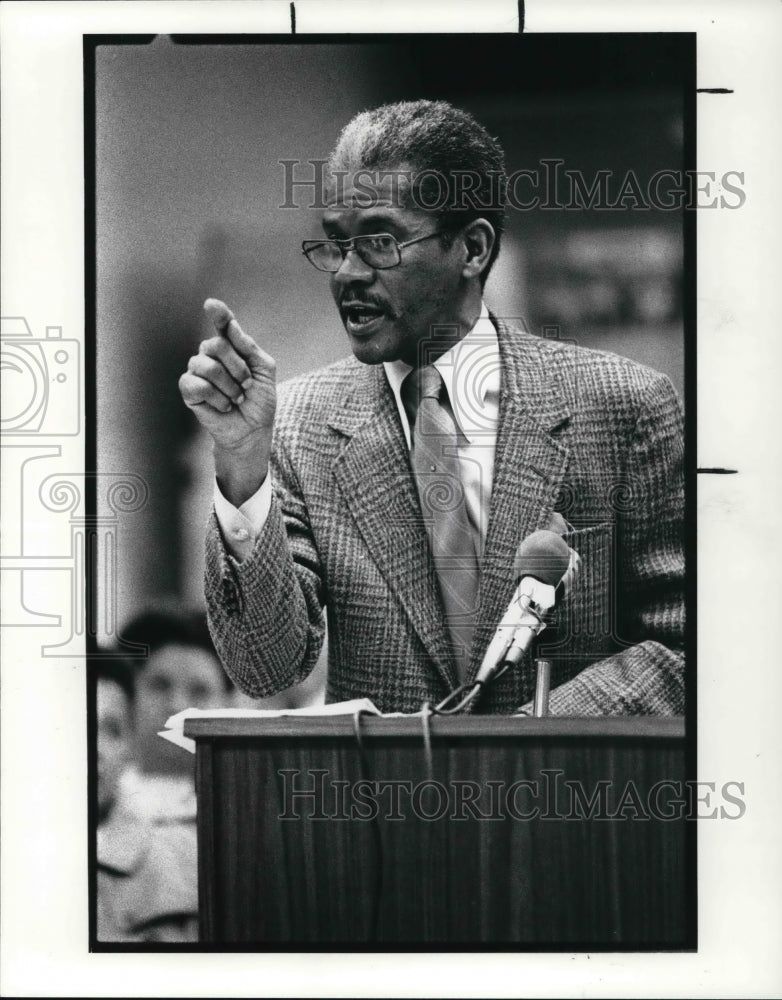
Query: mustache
361	298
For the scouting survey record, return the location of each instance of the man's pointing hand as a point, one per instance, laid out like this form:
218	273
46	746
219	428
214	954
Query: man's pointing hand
230	386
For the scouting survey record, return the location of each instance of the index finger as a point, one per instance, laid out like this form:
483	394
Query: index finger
225	323
219	314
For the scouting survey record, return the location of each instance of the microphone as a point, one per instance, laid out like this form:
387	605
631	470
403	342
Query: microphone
545	567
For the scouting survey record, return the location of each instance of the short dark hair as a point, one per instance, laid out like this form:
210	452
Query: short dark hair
156	628
442	146
118	671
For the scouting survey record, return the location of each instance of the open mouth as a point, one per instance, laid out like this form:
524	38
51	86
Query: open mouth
360	317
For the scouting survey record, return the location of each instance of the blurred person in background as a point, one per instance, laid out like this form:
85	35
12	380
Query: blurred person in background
147	888
181	670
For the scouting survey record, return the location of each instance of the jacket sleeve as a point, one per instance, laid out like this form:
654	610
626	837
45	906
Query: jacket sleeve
647	676
265	613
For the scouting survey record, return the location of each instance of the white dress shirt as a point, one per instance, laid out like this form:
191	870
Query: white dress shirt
471	374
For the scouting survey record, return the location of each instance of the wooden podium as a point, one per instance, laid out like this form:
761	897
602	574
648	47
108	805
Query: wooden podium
500	832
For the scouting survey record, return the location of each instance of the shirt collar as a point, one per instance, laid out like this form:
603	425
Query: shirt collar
471	374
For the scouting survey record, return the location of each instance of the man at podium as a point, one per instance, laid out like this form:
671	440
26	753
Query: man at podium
389	493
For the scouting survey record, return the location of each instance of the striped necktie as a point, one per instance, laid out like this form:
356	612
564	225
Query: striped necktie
435	464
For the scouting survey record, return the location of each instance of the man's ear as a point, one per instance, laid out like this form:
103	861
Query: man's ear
478	238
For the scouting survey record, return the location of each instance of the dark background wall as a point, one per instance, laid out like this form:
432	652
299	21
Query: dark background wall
189	184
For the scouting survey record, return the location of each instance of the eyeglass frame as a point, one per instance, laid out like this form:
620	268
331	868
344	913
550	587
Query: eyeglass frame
345	246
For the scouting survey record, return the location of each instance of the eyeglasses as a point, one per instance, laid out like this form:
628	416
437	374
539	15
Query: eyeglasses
379	250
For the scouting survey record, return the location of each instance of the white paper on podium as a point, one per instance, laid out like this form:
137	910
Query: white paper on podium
174	731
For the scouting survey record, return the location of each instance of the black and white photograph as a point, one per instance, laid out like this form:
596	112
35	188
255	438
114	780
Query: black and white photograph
473	523
390	576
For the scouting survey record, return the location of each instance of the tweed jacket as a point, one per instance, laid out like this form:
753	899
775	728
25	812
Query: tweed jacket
590	435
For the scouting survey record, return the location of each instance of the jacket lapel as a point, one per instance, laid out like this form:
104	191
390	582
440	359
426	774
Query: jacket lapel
373	473
529	466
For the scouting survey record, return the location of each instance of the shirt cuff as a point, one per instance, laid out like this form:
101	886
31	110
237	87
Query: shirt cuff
241	526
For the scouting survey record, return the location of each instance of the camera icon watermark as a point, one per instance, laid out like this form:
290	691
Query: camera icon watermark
41	381
58	567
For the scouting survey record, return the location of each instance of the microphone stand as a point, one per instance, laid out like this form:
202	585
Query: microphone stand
542	687
525	633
